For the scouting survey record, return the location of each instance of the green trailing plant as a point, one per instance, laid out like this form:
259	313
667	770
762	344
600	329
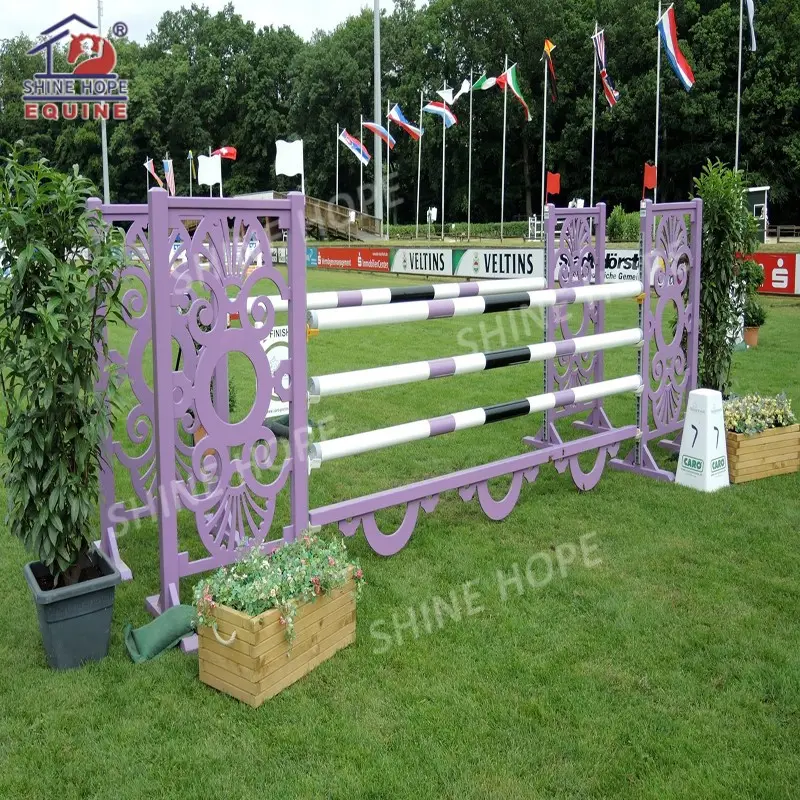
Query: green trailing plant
729	235
55	307
755	314
299	571
753	413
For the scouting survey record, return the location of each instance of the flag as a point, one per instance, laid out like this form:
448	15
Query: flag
509	78
751	15
190	159
209	170
381	132
650	178
446	95
226	152
553	183
289	157
169	174
668	31
612	95
548	54
396	115
463	90
484	83
441	110
148	165
355	147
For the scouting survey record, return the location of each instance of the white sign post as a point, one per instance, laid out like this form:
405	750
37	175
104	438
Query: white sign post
703	460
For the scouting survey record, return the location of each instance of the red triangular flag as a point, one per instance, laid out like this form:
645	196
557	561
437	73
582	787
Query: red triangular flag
553	183
650	178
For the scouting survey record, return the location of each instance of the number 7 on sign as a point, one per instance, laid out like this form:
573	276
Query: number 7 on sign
694	441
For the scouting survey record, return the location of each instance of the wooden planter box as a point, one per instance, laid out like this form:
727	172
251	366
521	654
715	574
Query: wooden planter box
775	451
259	662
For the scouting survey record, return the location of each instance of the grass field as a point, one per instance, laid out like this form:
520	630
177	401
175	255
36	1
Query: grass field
671	669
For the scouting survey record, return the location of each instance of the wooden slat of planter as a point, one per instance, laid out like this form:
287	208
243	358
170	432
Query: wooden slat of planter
744	437
767	473
785	450
227	688
763	457
738	442
782	463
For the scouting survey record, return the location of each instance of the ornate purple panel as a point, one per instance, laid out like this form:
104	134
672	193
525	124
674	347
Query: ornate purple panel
670	258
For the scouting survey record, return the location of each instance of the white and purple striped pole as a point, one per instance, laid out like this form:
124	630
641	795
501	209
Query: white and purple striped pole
330	450
340	318
377	377
317	301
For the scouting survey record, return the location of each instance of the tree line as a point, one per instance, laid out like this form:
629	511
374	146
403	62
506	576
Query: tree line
204	80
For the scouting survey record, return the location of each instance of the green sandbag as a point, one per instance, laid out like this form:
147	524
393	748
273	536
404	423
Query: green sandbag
160	635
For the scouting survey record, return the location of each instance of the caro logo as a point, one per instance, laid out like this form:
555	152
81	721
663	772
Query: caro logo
719	465
92	90
692	464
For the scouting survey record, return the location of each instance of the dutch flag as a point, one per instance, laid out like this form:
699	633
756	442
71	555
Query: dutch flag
381	132
668	31
441	110
396	115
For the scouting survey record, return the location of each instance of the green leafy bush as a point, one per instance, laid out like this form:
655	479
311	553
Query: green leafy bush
622	227
55	306
480	230
299	571
729	232
754	313
754	413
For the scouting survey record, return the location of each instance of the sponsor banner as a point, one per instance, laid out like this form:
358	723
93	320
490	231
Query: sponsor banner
276	346
499	263
423	261
623	265
363	259
781	273
311	257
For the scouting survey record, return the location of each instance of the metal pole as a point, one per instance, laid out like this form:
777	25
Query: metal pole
388	152
594	115
503	169
376	79
419	163
444	138
361	183
211	185
191	167
658	100
739	88
469	169
544	137
337	164
103	135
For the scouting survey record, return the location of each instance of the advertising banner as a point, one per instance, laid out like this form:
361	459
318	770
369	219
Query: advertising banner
781	273
311	257
524	262
276	346
423	261
353	258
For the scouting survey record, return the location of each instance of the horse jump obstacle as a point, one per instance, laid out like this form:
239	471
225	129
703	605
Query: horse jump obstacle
184	296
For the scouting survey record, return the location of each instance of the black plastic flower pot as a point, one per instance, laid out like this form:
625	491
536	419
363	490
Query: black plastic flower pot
75	621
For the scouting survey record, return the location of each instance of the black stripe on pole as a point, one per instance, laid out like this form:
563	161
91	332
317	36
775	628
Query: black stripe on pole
506	302
505	358
406	293
516	408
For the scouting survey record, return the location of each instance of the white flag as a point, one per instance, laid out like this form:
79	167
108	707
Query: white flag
209	170
464	89
446	95
289	158
751	13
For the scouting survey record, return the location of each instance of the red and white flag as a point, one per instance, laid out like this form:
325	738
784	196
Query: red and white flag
226	152
148	165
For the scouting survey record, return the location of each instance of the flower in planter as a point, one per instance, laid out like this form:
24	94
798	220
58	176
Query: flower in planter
298	571
753	413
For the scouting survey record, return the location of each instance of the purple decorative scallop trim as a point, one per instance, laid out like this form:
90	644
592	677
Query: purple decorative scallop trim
442	367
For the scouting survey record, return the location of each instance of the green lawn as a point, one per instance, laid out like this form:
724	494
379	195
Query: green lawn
671	669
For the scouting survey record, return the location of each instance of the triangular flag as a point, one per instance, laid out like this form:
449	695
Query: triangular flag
509	78
446	95
463	90
148	165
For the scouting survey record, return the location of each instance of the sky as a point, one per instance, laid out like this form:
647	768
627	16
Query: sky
140	16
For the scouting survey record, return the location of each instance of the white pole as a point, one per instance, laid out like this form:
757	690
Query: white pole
658	99
376	80
739	88
211	185
388	150
419	163
444	138
337	164
503	170
469	169
544	137
594	114
361	184
191	167
103	134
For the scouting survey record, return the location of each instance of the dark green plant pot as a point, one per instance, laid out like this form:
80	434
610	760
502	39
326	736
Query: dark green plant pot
75	621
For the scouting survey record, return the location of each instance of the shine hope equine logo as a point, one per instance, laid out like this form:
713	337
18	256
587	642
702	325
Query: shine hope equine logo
92	90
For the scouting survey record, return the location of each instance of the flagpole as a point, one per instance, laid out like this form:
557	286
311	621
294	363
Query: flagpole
594	113
191	166
739	88
469	170
503	170
444	138
211	185
419	162
147	176
658	99
388	151
361	184
544	137
337	164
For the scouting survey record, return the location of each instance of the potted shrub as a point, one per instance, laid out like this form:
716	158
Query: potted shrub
54	311
754	317
763	438
267	620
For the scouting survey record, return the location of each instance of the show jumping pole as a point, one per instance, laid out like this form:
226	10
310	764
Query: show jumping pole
330	450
